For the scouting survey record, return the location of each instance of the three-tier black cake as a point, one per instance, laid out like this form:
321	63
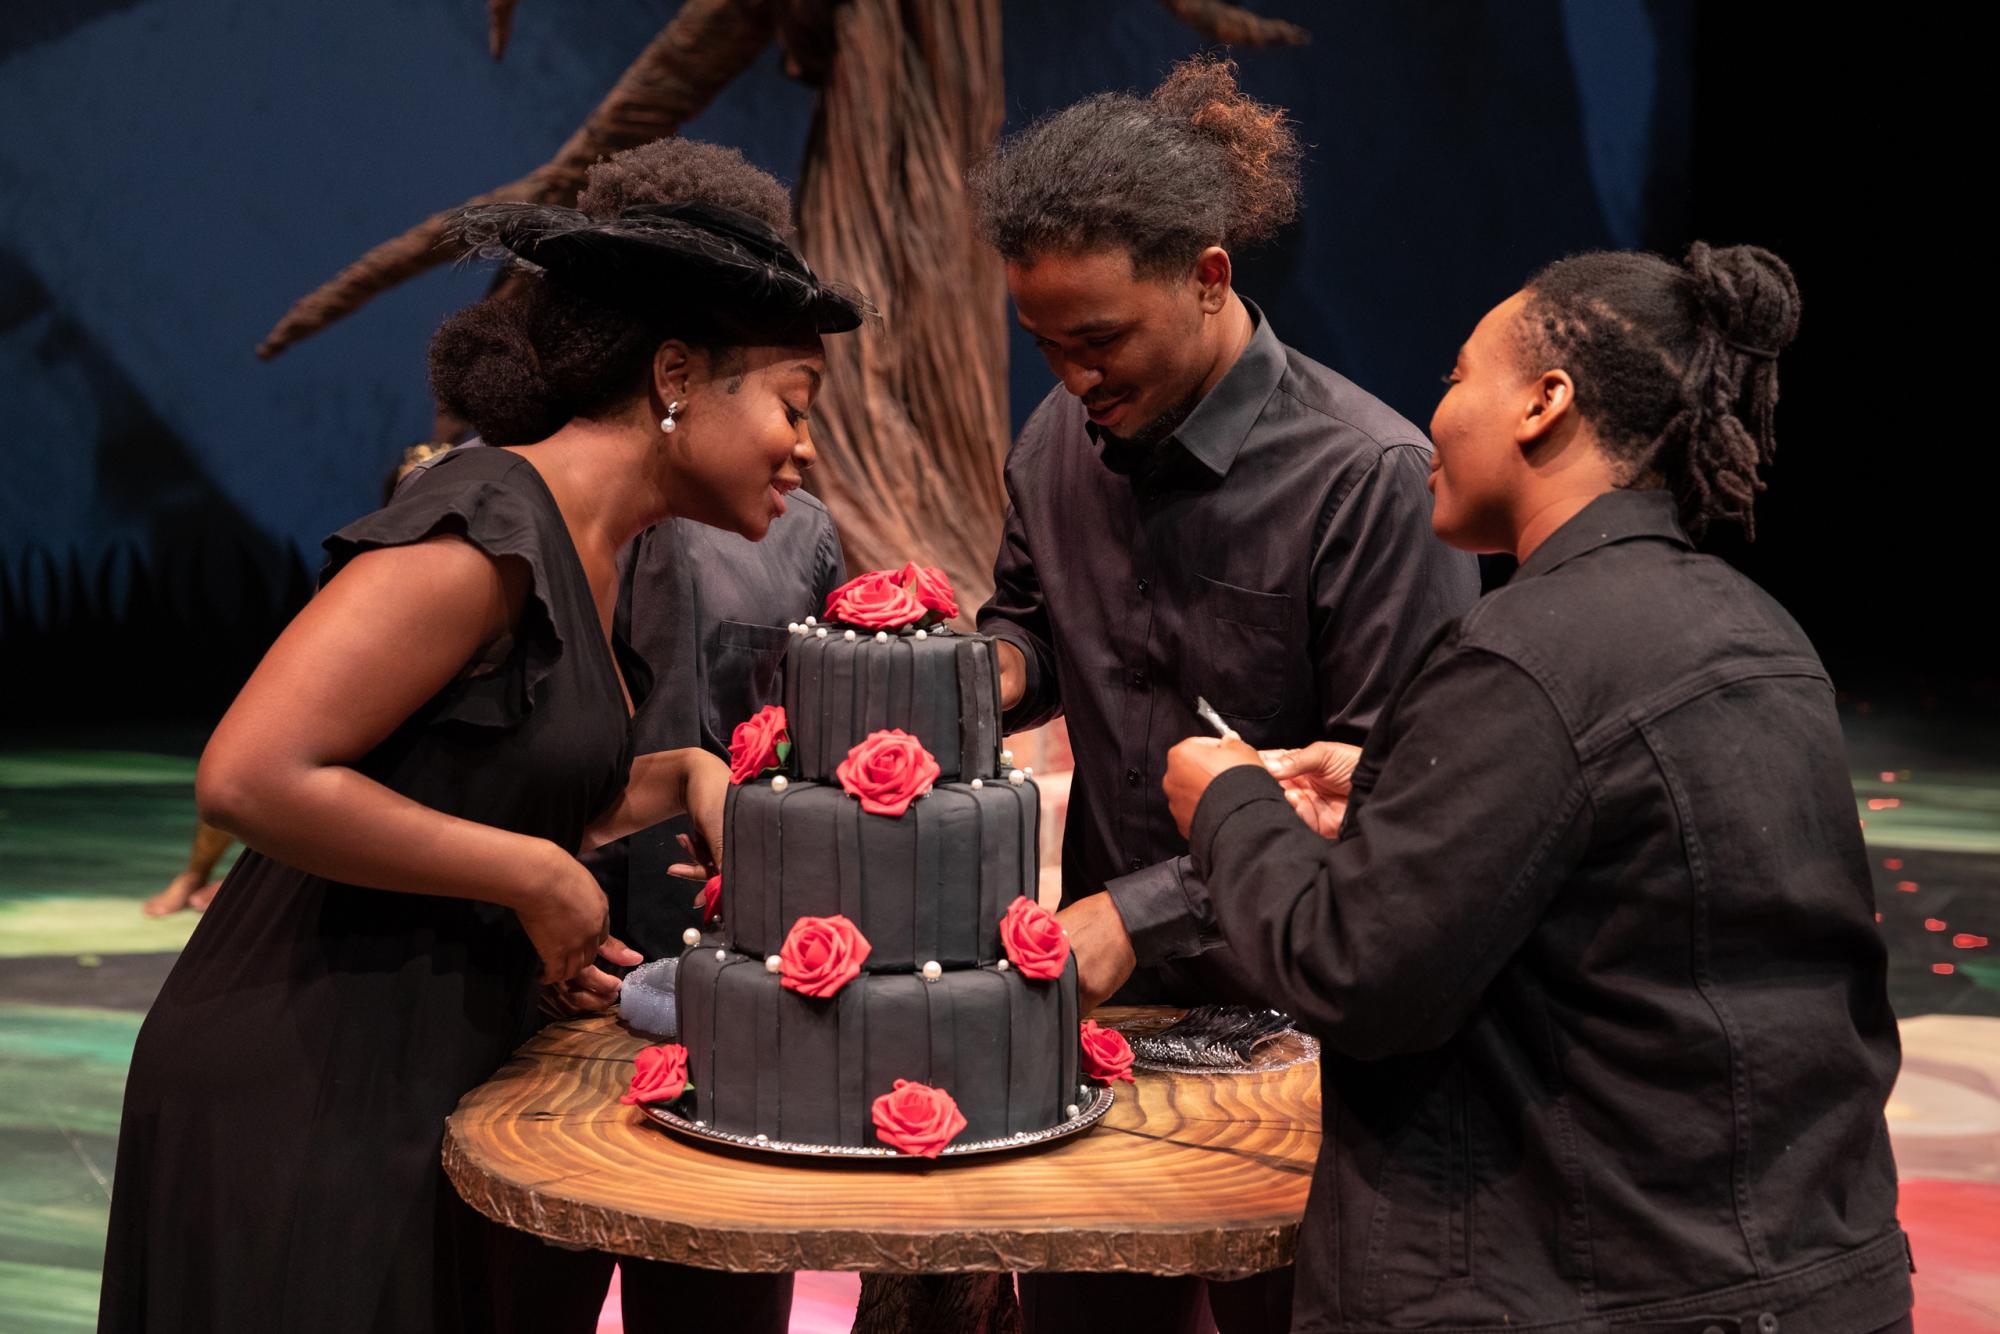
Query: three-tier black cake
937	1000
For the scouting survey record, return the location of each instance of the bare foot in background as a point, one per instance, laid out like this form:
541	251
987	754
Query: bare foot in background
178	894
201	898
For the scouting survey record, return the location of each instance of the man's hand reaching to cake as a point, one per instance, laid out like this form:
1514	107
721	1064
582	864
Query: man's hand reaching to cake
1103	949
1013	673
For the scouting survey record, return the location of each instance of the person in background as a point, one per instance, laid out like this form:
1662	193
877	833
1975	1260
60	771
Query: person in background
697	602
1594	959
193	887
1196	510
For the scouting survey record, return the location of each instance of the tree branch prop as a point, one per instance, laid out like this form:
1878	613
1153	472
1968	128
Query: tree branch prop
499	25
707	44
1234	25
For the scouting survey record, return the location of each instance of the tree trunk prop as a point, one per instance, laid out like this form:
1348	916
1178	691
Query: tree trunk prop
913	424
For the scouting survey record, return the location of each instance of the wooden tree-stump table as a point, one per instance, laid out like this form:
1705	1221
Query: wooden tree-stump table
1185	1175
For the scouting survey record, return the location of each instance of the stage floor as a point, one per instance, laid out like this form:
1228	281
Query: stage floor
89	829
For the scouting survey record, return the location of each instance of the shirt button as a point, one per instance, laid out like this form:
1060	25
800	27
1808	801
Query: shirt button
1133	777
1145	586
1136	864
1139	680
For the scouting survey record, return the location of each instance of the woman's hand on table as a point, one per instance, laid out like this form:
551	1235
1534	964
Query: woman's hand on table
1317	780
592	991
568	920
1192	765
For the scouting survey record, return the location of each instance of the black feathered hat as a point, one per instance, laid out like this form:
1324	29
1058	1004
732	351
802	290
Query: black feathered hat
700	271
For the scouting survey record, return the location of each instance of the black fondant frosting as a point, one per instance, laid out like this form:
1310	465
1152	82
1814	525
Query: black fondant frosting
930	884
942	689
765	1060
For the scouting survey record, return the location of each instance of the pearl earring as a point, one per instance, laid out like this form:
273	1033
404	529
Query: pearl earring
667	423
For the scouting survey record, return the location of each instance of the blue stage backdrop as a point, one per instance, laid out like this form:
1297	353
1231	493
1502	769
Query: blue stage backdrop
172	175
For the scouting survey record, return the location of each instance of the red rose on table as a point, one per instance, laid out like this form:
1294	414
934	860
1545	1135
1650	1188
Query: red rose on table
916	1118
888	771
710	899
931	589
753	746
1035	942
877	600
821	955
1106	1054
659	1075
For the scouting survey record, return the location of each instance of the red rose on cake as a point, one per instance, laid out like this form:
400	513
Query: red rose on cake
878	600
916	1118
928	584
659	1075
821	955
1035	942
710	899
888	770
757	744
1106	1054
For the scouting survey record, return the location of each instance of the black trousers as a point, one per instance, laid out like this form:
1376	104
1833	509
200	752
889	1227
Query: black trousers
1093	1303
549	1290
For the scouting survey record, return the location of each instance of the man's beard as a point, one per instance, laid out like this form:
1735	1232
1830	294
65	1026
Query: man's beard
1162	426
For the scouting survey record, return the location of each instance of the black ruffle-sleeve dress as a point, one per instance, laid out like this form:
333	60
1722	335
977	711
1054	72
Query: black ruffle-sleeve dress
278	1162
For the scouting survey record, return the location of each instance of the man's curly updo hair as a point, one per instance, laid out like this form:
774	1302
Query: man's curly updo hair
1196	164
1675	366
534	356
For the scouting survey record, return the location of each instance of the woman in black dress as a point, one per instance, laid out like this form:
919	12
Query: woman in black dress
420	756
1594	958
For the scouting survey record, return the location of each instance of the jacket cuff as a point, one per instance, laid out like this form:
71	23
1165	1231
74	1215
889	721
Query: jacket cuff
1166	912
1232	790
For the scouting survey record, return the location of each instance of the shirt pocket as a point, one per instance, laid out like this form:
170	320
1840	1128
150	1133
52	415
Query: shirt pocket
744	673
1236	646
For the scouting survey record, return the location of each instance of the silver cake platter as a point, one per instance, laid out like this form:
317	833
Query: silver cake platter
1094	1103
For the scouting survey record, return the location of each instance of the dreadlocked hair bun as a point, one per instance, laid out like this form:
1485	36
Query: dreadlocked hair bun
1259	147
1195	164
1675	366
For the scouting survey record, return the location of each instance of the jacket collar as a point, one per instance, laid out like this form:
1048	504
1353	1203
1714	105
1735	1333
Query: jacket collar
1615	516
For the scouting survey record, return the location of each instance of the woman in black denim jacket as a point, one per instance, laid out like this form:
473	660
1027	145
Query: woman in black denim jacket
1594	956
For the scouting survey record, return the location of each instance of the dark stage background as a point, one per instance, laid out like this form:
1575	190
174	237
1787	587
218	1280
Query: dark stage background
172	175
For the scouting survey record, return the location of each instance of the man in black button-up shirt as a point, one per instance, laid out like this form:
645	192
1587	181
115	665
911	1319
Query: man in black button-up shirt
1197	510
1274	555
